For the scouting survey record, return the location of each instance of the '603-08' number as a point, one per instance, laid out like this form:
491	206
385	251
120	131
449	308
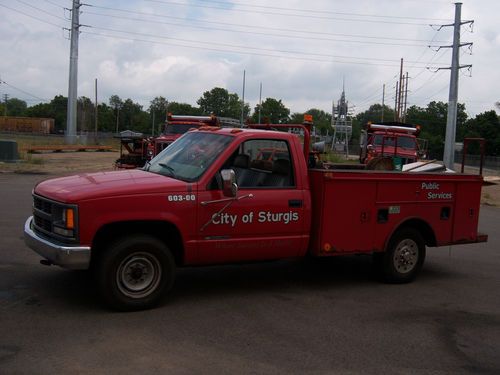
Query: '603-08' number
181	198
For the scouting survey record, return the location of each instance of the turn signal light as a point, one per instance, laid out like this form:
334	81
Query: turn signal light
70	218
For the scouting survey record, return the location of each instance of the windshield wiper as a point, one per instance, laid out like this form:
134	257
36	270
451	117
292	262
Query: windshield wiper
147	166
171	171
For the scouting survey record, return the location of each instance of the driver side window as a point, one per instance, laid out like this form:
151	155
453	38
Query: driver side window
263	163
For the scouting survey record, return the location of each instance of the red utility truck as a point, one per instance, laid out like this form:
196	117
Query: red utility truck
208	199
394	139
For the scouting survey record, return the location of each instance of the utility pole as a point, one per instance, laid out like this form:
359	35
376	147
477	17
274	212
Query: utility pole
5	99
153	124
73	74
405	98
96	112
400	93
451	120
396	102
260	101
243	100
117	108
383	102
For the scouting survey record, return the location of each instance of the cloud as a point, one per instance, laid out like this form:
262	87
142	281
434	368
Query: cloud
301	60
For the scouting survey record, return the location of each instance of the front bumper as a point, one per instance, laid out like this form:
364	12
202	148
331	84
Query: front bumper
71	257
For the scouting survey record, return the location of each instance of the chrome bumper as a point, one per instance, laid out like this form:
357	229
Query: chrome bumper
71	257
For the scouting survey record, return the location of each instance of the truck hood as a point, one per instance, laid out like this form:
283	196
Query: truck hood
85	186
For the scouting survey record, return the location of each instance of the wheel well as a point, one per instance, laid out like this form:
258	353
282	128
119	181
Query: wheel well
165	231
422	227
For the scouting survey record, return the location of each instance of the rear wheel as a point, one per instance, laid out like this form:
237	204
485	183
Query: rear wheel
403	257
135	273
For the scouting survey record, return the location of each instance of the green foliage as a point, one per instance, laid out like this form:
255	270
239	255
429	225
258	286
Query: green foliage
220	102
433	122
321	119
158	107
272	111
485	125
131	115
15	107
56	109
134	118
374	114
183	109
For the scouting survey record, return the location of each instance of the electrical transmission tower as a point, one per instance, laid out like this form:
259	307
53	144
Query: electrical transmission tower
342	125
451	121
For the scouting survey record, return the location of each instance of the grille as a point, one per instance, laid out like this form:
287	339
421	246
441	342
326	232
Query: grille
42	205
43	223
45	214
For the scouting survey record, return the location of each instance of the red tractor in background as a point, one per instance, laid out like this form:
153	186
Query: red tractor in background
392	139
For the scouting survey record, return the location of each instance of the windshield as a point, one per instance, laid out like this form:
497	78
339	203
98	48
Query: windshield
190	156
179	128
403	142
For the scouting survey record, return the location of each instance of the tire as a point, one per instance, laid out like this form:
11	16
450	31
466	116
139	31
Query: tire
135	273
403	258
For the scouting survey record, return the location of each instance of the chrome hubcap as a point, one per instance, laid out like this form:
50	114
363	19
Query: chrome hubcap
138	275
406	256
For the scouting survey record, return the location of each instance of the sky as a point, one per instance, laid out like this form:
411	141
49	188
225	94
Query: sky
300	52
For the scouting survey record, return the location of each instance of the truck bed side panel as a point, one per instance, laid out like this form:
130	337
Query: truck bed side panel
358	211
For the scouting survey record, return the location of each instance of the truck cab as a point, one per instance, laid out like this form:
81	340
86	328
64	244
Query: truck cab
175	126
392	139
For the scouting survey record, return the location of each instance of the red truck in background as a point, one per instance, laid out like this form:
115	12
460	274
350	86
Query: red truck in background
393	139
209	199
175	127
136	150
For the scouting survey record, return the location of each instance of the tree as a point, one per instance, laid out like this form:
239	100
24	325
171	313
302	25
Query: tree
16	107
321	119
56	109
272	111
374	114
183	109
117	104
158	111
85	114
134	118
485	125
433	122
221	103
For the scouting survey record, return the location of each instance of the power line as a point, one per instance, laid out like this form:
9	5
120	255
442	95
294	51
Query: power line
241	46
24	92
30	16
41	10
186	24
319	11
303	58
55	4
287	15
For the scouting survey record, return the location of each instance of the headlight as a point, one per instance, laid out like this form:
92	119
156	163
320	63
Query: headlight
64	221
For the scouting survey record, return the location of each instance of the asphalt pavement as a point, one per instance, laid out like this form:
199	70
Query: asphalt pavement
295	316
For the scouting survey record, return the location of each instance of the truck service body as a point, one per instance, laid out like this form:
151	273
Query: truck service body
207	200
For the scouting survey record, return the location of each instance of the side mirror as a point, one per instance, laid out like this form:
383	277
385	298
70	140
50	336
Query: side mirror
229	185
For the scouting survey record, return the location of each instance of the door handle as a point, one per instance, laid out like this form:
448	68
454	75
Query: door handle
295	203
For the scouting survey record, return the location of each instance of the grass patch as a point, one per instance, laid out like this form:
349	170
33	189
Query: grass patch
334	158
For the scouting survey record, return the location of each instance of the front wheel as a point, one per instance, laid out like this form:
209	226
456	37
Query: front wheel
135	273
403	258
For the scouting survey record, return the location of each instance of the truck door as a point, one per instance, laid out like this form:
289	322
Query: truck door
266	221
